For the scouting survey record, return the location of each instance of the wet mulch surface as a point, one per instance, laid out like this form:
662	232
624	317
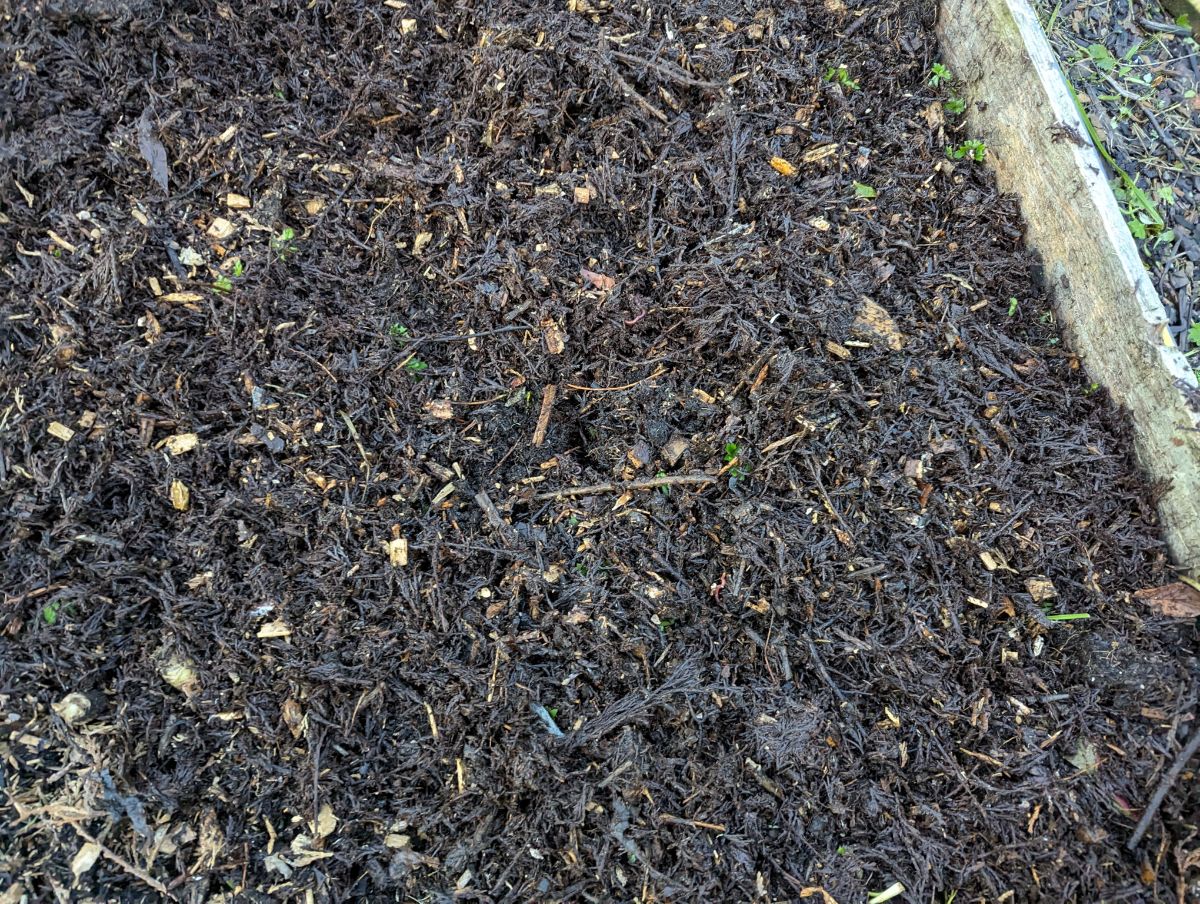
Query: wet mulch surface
334	339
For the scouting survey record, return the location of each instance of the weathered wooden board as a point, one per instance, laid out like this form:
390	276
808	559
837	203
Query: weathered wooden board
1111	314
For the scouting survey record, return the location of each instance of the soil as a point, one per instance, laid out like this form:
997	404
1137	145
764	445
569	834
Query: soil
1136	68
506	452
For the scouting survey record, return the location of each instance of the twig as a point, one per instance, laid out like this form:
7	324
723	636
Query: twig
667	70
1164	786
627	486
694	823
543	421
125	864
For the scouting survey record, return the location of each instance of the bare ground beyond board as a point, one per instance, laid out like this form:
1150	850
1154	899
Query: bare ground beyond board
826	669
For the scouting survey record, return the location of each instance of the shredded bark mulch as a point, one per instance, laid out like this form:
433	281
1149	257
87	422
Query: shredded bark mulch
511	452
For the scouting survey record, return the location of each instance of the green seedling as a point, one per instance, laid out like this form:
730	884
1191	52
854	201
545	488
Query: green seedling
1013	304
416	367
862	190
665	490
1091	387
282	243
1102	57
841	75
939	75
223	284
955	106
1194	334
398	331
971	149
1068	616
237	268
50	612
732	456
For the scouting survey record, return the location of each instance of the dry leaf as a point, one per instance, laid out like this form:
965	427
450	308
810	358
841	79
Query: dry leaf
420	241
234	201
293	715
85	858
274	629
180	443
152	326
152	150
599	280
60	431
73	708
181	496
873	321
180	673
826	897
556	340
327	823
1172	600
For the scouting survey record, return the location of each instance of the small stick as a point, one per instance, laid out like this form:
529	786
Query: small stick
125	864
1164	786
648	483
539	433
694	823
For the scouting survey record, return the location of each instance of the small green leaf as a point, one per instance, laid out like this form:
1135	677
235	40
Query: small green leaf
1194	334
50	612
955	105
238	267
862	190
1102	57
1070	616
1013	304
222	284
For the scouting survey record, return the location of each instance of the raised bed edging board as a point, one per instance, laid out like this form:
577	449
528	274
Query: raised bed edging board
1109	310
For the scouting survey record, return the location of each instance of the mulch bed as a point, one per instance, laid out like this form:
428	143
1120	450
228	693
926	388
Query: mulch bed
1137	71
551	452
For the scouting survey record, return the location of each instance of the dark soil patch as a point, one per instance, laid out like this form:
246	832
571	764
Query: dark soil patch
347	640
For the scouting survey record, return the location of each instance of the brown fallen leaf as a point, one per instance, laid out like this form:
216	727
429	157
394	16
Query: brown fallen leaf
598	280
274	629
1176	600
873	321
293	715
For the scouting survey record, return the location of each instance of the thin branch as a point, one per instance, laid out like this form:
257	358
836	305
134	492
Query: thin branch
1164	786
629	486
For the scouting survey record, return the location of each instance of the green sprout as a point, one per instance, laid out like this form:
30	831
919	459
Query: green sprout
1194	334
862	190
281	243
955	105
665	490
223	284
415	367
237	268
1068	616
731	455
1013	304
841	75
939	75
50	612
972	149
398	331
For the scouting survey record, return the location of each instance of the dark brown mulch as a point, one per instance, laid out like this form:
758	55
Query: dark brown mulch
350	639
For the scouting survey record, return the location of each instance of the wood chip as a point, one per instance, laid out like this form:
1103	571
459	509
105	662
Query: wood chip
274	629
181	496
234	201
180	443
598	280
1041	589
221	229
439	409
873	321
556	340
59	430
543	421
583	194
397	550
782	166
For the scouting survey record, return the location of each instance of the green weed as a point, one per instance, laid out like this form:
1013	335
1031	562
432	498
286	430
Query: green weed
282	243
939	75
841	75
862	190
971	149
